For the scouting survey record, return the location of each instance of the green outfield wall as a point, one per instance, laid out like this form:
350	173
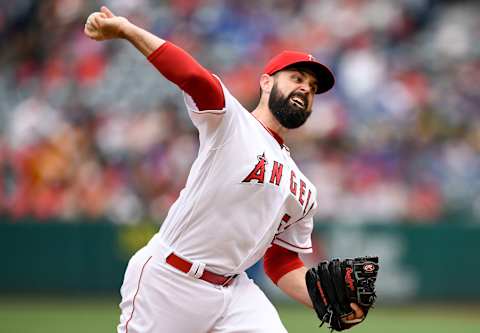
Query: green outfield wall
418	262
423	262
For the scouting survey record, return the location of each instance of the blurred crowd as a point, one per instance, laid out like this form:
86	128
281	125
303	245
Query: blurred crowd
91	130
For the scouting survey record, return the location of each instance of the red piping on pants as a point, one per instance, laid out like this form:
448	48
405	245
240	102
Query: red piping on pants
134	297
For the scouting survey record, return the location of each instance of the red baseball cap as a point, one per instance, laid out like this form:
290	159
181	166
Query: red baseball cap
285	59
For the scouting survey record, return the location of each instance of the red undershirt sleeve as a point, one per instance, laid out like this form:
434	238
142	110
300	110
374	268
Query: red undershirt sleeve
182	69
278	261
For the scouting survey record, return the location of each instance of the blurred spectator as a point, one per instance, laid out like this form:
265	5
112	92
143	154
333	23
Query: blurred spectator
92	130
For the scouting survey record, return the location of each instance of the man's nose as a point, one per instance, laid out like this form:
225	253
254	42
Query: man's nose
305	88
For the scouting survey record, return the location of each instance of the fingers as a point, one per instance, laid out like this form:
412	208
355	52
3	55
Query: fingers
92	34
96	21
89	30
92	26
356	317
92	20
106	11
352	321
357	310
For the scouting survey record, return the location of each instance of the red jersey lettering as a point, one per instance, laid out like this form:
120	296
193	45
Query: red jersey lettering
258	172
302	191
293	184
276	173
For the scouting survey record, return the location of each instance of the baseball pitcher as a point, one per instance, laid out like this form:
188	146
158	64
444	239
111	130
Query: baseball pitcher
244	199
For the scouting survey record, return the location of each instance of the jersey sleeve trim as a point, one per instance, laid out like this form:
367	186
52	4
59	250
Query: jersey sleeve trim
192	107
157	52
291	246
279	261
217	112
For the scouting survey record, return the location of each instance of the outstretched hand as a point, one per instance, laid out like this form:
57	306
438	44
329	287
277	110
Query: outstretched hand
104	25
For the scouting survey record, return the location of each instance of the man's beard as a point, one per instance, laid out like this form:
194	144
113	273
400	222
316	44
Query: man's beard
288	114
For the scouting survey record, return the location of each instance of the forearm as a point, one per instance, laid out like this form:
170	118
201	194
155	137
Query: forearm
293	284
143	40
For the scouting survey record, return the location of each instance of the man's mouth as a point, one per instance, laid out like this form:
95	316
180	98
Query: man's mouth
298	101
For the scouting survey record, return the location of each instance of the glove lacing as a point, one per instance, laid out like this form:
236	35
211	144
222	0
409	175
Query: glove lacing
327	318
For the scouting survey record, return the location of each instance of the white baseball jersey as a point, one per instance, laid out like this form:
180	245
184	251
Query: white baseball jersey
244	192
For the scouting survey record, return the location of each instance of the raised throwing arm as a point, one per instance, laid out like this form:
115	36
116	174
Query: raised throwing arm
173	62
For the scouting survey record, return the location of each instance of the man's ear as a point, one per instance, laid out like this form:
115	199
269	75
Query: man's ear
266	83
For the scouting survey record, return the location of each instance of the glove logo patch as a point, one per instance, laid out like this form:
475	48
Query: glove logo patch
349	279
369	267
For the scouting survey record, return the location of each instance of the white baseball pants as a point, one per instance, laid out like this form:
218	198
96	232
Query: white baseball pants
158	298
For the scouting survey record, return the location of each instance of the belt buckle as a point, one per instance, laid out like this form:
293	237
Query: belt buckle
228	280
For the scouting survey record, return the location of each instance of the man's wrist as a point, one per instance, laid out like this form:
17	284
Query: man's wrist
125	28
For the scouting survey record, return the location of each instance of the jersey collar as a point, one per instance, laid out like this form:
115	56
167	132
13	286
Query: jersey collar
275	135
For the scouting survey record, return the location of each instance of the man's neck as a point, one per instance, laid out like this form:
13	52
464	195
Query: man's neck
265	116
